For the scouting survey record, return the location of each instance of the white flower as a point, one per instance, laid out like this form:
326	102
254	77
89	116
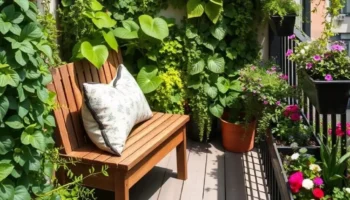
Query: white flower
308	184
315	168
302	51
306	47
295	156
347	190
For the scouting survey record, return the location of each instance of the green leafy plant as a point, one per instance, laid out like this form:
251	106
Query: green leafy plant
333	165
212	9
280	8
92	35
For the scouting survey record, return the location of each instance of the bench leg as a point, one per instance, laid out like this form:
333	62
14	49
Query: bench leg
121	191
182	158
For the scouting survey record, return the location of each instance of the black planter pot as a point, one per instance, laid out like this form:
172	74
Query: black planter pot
282	26
192	130
329	97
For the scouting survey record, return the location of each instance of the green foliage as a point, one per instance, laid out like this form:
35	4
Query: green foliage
87	27
339	194
280	8
333	165
48	22
212	8
26	123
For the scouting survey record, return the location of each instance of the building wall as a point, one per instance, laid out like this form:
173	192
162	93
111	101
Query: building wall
317	18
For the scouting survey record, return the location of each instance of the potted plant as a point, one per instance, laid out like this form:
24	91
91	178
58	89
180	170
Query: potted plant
258	91
324	74
282	15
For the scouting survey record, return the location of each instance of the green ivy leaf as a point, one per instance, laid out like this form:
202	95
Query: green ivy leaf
36	139
110	39
148	80
222	99
27	47
43	94
156	28
21	193
50	121
6	144
124	33
236	85
131	25
223	85
31	30
46	49
213	10
216	64
21	95
218	31
5	26
211	91
23	108
194	82
211	43
20	59
103	20
9	77
7	191
5	170
96	6
195	8
24	4
14	122
4	106
216	109
197	68
97	55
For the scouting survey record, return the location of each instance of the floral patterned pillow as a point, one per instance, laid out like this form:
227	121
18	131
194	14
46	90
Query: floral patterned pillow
110	111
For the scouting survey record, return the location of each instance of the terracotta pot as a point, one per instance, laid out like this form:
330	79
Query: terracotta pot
238	138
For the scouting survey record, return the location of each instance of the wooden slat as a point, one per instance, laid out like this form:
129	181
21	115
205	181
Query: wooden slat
80	74
93	154
94	73
102	75
112	65
85	66
214	186
169	127
65	111
234	176
75	85
152	131
61	125
120	58
73	109
144	125
107	72
152	159
81	152
193	187
142	133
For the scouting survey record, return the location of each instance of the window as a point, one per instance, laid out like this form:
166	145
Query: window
346	38
346	9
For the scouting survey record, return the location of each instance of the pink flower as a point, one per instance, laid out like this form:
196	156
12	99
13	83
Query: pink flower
291	37
308	65
253	68
273	68
328	77
295	181
318	181
317	58
284	77
295	117
289	52
337	47
278	103
293	108
266	102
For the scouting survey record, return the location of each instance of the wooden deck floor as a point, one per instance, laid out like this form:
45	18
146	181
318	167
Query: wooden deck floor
213	174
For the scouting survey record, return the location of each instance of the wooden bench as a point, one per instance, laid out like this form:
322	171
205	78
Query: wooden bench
147	144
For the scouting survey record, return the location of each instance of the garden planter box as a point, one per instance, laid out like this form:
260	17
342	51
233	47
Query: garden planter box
329	97
282	26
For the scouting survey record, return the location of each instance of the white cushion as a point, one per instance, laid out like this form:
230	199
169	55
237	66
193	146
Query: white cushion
109	112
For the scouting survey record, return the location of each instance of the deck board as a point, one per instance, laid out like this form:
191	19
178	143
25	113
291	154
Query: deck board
213	174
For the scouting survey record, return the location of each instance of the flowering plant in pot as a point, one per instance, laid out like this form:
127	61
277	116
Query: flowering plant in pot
290	128
282	15
263	89
304	176
324	74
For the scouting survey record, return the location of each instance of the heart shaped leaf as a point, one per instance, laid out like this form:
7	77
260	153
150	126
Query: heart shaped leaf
195	8
216	109
211	91
213	10
197	67
223	85
110	39
97	55
156	28
216	64
148	79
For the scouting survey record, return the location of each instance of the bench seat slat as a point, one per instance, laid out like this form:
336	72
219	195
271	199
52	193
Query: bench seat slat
143	151
143	126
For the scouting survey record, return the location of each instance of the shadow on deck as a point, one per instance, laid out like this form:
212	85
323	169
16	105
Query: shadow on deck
213	174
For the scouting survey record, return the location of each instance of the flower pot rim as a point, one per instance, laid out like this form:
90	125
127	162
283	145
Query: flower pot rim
326	82
241	123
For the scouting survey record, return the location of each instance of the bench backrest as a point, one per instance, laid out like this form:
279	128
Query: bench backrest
67	83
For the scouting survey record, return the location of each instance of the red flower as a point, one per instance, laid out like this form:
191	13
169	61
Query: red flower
339	132
318	193
295	181
295	117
